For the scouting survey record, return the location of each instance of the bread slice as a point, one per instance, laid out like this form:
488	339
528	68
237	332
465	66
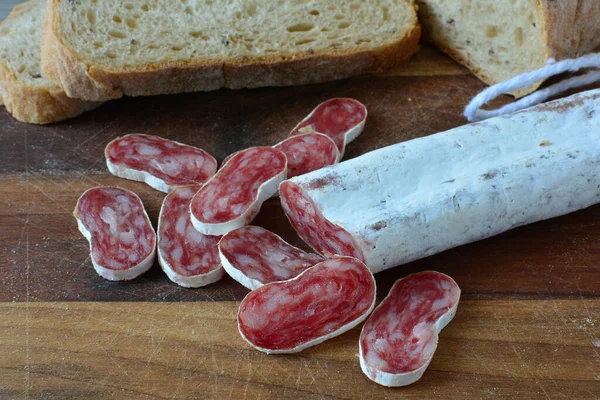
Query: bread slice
498	40
99	50
26	93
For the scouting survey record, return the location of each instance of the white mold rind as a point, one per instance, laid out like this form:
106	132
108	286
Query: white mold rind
194	281
420	197
124	172
236	274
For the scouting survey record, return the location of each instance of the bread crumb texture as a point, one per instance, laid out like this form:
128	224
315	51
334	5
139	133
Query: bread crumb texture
20	44
501	37
27	93
137	35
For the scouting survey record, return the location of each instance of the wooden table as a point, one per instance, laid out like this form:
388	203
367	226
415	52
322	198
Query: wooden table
528	325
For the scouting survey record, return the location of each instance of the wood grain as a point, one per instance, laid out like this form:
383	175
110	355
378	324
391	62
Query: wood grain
492	349
527	326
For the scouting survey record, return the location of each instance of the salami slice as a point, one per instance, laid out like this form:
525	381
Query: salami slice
398	340
122	240
254	256
189	258
161	163
308	152
417	198
341	119
229	157
322	302
233	197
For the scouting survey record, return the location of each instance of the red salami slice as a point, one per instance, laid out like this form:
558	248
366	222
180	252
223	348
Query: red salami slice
308	152
341	119
254	256
322	302
233	197
188	257
161	163
322	235
228	158
122	240
398	340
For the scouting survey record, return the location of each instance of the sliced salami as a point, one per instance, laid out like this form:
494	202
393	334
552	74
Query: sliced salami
161	163
254	256
314	228
417	198
188	257
233	197
398	340
122	240
322	302
341	119
308	152
228	158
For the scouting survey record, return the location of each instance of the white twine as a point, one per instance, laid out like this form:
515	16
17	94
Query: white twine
473	111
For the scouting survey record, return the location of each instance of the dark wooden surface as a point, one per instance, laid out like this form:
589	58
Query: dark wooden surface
528	325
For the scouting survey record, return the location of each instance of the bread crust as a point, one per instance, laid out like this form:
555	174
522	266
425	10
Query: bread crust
36	104
62	67
81	79
569	29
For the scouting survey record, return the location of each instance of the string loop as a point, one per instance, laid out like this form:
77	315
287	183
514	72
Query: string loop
473	111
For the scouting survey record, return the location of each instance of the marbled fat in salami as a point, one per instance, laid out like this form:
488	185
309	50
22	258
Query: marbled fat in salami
188	257
342	119
233	197
161	163
322	302
254	256
321	234
398	340
122	240
308	152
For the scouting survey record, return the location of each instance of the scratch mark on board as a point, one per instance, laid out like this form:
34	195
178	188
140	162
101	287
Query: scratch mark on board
27	271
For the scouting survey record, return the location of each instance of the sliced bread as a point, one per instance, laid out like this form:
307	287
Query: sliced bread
99	50
498	40
26	93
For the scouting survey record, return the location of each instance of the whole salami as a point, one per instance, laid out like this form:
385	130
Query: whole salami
233	197
161	163
254	256
122	240
188	257
342	119
417	198
322	302
398	340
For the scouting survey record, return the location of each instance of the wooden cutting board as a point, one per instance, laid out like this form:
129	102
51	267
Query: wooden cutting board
528	325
